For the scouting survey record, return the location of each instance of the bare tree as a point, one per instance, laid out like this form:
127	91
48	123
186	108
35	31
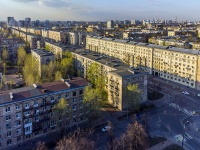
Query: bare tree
76	141
41	146
134	138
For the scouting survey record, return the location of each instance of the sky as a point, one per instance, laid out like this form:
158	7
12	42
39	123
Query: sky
100	10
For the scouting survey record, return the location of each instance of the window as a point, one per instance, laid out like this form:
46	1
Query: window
8	118
9	142
18	131
74	107
8	133
18	123
74	100
8	126
26	105
80	98
67	95
36	133
8	109
44	101
18	139
18	115
27	129
74	93
35	104
80	92
17	107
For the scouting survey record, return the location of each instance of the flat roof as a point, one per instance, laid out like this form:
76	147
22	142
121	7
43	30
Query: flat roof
42	52
102	59
127	73
174	49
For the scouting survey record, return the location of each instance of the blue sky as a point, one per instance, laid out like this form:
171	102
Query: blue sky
100	10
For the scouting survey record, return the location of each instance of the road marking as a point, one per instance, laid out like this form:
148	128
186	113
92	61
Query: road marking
176	106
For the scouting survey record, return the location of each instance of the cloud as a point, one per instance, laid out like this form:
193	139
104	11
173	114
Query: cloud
25	1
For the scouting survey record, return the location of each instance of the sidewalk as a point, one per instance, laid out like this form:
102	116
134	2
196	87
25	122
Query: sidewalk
161	145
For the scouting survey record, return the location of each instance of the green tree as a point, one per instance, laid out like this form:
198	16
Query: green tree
61	112
133	96
47	47
21	56
92	102
30	71
5	55
93	73
58	75
67	67
98	81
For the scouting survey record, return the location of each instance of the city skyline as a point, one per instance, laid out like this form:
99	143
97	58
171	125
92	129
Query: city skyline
97	10
89	10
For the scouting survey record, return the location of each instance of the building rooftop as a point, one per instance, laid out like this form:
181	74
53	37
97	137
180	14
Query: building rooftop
175	49
42	52
102	59
29	92
127	73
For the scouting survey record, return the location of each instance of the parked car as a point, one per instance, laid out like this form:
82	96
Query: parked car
185	92
106	128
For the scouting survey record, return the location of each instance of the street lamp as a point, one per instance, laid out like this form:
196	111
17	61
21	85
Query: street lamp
184	131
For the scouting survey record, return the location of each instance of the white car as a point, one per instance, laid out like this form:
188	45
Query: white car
185	92
106	128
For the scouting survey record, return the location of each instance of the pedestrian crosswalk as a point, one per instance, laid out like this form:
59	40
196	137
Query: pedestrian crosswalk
187	112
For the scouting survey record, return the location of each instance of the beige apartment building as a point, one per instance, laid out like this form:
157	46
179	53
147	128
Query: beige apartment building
56	48
174	64
58	36
27	113
116	72
42	57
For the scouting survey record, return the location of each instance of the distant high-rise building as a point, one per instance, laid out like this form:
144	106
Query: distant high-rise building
28	21
110	24
37	23
21	23
10	21
47	23
126	22
133	22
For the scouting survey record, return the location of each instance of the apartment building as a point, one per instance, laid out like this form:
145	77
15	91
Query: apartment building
114	69
58	36
42	57
174	64
118	81
76	38
27	113
56	48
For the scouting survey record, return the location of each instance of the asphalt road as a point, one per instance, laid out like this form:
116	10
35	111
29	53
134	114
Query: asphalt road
176	109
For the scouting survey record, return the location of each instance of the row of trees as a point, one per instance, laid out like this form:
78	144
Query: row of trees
134	138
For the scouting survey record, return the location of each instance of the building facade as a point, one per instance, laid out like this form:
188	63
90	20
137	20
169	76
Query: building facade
115	72
27	113
42	57
174	64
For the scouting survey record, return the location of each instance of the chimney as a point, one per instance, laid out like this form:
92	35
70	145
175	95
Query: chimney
34	85
11	95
